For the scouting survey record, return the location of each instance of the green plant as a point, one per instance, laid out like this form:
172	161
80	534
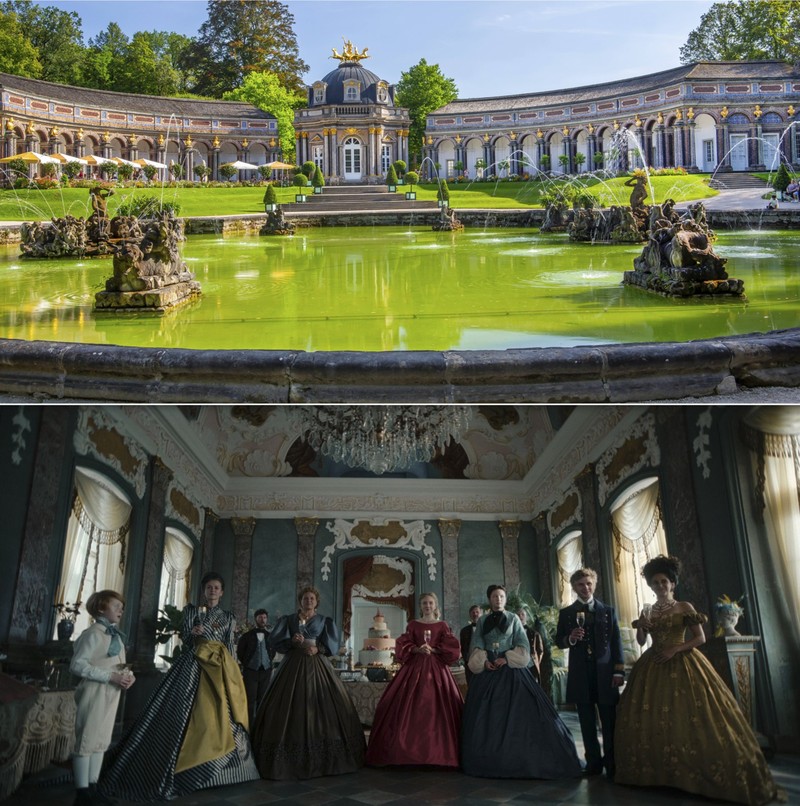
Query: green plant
318	181
782	178
200	171
300	180
564	160
412	177
125	172
270	196
391	176
265	172
503	165
71	169
598	158
176	169
580	158
400	167
443	192
226	171
149	171
458	166
544	162
168	625
147	207
308	169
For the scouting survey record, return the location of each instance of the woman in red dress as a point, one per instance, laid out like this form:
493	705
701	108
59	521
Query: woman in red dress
418	718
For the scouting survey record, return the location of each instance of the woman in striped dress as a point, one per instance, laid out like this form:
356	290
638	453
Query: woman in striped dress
192	733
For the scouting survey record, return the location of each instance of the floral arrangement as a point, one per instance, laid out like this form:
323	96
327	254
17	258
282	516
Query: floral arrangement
67	611
727	606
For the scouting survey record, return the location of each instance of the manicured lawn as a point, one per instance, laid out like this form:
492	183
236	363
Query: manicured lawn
27	205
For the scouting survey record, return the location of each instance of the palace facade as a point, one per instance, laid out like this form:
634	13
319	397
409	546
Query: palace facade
48	118
708	116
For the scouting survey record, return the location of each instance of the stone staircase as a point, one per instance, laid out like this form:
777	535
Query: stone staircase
737	181
357	199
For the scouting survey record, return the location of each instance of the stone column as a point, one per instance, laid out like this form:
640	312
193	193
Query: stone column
10	148
661	139
509	531
207	545
214	160
451	606
144	646
566	150
591	143
133	150
32	614
760	146
692	146
541	537
306	530
243	529
590	506
678	130
723	147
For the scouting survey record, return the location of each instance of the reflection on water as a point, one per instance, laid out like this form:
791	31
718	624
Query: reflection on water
363	288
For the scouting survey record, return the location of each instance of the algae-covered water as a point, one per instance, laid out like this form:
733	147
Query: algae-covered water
364	288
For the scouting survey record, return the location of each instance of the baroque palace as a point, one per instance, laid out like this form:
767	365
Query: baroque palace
707	116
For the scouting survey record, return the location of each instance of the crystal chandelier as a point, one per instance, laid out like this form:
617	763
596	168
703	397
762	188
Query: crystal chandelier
381	439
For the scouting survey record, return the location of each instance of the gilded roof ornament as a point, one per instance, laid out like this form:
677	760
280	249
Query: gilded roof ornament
757	111
790	111
723	113
349	53
678	114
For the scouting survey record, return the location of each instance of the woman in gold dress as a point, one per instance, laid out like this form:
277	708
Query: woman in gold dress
678	724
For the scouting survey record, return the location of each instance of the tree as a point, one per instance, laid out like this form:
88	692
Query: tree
242	37
782	178
56	35
265	91
18	55
746	29
391	176
105	59
227	171
423	88
318	180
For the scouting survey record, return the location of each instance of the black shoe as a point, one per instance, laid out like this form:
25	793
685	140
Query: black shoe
610	773
98	798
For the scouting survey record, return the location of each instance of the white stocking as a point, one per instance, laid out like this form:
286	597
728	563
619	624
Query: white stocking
95	765
80	771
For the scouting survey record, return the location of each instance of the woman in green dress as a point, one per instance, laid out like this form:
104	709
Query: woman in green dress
678	724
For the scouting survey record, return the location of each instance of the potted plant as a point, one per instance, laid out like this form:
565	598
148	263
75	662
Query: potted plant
443	194
226	171
169	624
564	160
400	169
270	199
480	166
300	181
308	169
544	163
580	159
598	159
412	177
318	180
265	172
781	181
391	179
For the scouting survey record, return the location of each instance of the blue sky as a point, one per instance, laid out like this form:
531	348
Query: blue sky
490	47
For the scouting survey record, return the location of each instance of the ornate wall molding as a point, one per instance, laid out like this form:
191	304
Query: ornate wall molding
636	449
378	533
100	436
20	424
700	443
565	513
404	588
182	507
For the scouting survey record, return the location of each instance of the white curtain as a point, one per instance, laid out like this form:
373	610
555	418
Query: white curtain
96	542
638	537
175	580
773	435
569	555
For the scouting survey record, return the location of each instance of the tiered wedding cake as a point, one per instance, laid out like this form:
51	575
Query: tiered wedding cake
379	645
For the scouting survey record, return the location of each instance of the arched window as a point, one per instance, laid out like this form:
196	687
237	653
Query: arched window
638	535
569	558
175	578
351	91
96	542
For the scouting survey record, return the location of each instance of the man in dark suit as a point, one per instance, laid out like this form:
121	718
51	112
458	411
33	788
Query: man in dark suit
590	631
256	659
466	637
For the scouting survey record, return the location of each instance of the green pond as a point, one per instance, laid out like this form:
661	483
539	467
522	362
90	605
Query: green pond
364	288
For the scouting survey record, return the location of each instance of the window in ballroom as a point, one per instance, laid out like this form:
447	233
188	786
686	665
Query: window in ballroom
638	536
96	543
175	580
569	558
772	435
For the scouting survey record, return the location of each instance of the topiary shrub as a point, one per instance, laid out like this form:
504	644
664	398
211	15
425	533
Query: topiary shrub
400	167
265	172
391	176
782	178
412	177
226	171
443	192
300	180
319	180
308	169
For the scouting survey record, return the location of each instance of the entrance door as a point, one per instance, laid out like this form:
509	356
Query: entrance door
709	158
771	155
739	152
352	160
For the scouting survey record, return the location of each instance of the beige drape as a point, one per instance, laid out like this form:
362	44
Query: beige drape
569	555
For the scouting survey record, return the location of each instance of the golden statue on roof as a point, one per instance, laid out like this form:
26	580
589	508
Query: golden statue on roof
349	53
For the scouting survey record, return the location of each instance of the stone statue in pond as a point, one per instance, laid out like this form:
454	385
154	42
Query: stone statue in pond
678	259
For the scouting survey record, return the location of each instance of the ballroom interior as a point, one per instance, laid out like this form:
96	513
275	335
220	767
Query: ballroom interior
375	505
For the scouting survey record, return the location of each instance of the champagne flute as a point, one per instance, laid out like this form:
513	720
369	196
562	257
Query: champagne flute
647	611
201	614
494	651
426	637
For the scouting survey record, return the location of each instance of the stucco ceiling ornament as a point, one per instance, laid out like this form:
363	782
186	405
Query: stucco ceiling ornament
565	519
94	428
701	442
404	588
411	536
644	430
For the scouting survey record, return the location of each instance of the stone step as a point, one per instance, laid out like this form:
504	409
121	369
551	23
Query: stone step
361	204
736	181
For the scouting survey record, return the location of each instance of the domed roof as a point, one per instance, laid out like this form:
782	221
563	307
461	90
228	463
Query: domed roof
367	80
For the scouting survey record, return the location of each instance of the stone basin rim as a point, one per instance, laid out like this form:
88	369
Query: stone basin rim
605	373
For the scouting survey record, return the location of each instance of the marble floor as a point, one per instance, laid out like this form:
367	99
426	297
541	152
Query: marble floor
405	787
